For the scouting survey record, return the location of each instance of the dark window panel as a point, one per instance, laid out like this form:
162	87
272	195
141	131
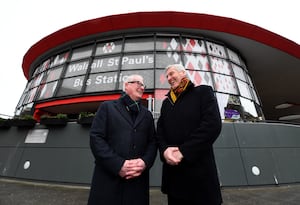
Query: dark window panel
148	76
168	44
59	59
77	68
47	90
82	52
139	44
105	64
141	61
71	86
102	82
163	59
109	47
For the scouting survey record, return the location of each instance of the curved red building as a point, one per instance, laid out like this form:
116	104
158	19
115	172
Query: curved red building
76	68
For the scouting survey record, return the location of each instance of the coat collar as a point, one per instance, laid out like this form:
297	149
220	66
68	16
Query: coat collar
189	87
126	115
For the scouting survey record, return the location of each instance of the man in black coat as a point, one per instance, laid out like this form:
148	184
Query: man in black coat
122	140
188	126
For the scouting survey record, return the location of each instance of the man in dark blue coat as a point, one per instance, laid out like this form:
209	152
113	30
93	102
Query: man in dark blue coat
122	140
188	126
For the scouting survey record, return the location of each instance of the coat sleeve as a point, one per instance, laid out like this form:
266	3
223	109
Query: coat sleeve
151	150
162	145
102	152
201	139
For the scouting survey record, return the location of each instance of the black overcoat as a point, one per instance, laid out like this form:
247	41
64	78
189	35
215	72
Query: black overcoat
114	137
193	123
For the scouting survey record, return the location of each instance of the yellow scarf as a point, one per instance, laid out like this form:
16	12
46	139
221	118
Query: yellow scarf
174	93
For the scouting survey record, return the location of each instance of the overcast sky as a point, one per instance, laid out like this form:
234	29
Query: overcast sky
25	22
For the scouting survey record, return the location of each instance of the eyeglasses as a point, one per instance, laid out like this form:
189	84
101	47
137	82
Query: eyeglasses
140	84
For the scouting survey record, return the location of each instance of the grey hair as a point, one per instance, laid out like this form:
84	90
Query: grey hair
178	67
130	78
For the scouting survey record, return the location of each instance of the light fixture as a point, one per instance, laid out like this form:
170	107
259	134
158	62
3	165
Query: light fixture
290	117
284	105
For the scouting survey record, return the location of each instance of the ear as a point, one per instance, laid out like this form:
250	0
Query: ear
183	73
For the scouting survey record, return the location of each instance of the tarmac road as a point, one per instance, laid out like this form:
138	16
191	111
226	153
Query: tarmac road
20	192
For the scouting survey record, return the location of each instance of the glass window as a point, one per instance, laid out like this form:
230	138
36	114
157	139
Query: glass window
105	64
197	77
71	86
243	64
159	96
109	47
45	65
229	106
249	80
82	52
238	72
200	77
160	79
216	49
255	96
22	100
77	68
47	90
139	44
166	58
141	61
195	61
250	112
37	80
36	71
259	112
103	82
30	95
207	63
148	76
233	57
59	59
41	68
168	44
244	89
193	45
54	74
28	86
224	83
220	65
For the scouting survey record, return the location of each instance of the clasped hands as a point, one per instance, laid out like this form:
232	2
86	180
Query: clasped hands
173	156
132	168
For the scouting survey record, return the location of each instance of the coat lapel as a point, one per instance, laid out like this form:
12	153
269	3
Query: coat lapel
140	116
122	109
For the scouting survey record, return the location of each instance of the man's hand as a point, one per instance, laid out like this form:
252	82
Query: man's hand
173	156
132	168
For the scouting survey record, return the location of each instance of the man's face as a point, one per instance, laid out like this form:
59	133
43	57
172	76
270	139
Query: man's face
135	88
174	77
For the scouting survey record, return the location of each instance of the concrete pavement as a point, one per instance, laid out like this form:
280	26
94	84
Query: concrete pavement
20	192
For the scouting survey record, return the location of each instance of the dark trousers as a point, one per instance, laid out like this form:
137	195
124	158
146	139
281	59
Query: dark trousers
178	201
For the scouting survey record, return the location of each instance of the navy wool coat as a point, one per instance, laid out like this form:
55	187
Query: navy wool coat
114	137
193	124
